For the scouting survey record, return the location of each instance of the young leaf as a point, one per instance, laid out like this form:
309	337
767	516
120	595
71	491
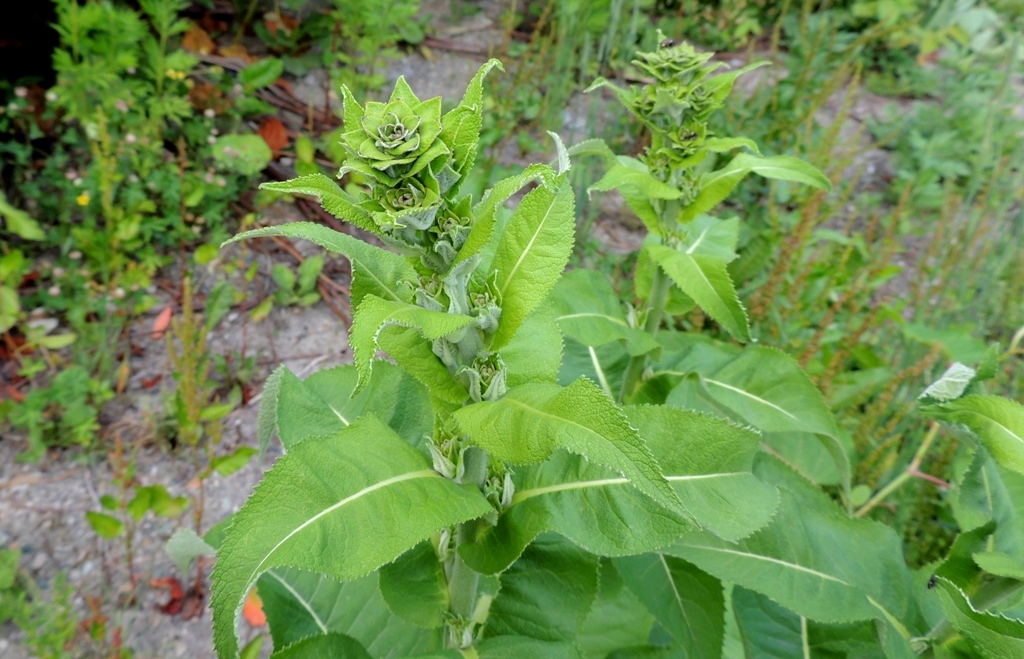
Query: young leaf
992	634
617	620
460	128
998	423
300	604
630	172
184	547
374	314
485	211
531	421
688	603
374	477
532	254
590	312
106	526
375	271
706	280
547	593
414	587
326	646
225	465
334	200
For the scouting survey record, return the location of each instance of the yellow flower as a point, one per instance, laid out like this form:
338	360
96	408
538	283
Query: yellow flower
83	199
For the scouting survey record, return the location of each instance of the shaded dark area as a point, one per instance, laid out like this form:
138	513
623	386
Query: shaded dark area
27	40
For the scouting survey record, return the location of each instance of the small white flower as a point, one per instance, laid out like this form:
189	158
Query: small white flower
121	105
214	131
222	183
54	291
131	70
71	174
58	273
132	178
119	293
79	181
12	107
130	138
208	178
74	255
209	113
51	96
211	139
21	92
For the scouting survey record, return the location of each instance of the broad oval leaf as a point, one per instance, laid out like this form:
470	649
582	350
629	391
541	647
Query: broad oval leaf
295	517
415	588
415	356
590	311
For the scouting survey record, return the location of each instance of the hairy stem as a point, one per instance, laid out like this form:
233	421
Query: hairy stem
660	288
464	581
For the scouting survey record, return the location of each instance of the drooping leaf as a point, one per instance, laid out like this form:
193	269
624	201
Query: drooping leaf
998	422
531	421
811	557
375	271
324	646
185	546
628	171
547	593
532	254
375	477
706	280
988	493
299	604
374	314
951	385
414	587
266	418
994	635
590	312
688	603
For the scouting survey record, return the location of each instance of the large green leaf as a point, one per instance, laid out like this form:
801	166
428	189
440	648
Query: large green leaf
617	620
375	271
299	604
811	558
323	404
998	422
590	311
334	200
767	389
988	493
531	421
707	461
769	631
532	254
415	588
995	636
296	517
547	593
710	236
706	280
628	171
415	356
376	314
687	602
715	186
324	646
591	505
460	127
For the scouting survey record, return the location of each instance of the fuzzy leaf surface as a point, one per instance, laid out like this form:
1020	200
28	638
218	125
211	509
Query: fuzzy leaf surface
535	353
297	518
324	646
460	128
335	201
414	355
414	587
532	254
998	422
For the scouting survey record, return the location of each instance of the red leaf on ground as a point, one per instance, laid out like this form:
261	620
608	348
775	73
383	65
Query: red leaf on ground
274	134
173	605
149	383
162	322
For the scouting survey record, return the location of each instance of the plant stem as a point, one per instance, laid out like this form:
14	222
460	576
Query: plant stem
910	472
464	581
660	288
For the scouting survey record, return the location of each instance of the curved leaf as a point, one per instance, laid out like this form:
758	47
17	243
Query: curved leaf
995	636
415	356
375	475
998	422
590	311
334	200
325	646
415	588
375	271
